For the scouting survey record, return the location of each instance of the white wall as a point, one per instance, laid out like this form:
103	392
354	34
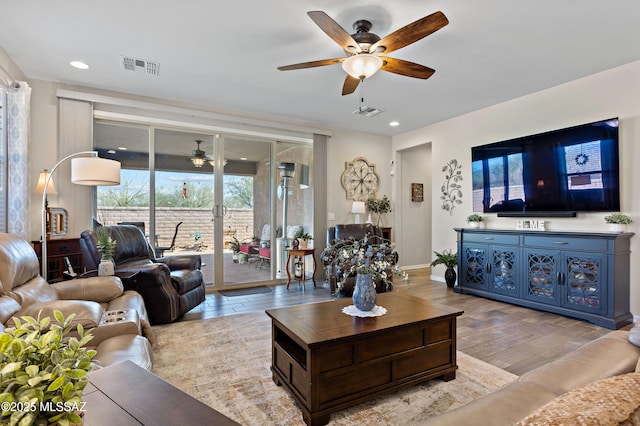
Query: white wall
612	93
343	146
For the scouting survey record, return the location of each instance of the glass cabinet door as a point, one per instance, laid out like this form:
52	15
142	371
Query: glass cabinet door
542	276
503	270
474	266
583	282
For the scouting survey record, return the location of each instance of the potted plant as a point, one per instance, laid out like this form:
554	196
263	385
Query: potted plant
303	238
449	260
474	220
44	371
106	245
379	206
617	222
234	245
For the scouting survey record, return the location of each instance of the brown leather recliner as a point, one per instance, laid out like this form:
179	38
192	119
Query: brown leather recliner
170	286
345	232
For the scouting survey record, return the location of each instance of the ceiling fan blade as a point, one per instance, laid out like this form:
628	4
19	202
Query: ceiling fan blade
335	31
406	68
312	64
350	85
411	33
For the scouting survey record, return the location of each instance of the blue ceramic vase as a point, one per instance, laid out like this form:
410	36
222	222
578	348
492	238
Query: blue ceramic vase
364	294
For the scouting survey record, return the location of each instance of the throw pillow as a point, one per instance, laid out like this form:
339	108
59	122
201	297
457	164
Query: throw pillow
634	335
611	401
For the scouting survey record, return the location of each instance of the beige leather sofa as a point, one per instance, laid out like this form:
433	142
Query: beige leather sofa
583	378
118	318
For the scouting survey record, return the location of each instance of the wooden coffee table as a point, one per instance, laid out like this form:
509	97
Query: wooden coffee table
125	394
330	361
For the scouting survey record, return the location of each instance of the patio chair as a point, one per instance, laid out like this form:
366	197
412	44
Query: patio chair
160	250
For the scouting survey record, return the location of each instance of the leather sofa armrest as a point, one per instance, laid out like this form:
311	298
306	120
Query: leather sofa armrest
96	289
185	261
151	274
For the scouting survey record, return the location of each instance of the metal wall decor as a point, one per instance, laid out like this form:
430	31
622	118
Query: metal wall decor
417	192
451	190
360	180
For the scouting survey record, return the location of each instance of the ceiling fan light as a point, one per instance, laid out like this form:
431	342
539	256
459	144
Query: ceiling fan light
362	66
197	161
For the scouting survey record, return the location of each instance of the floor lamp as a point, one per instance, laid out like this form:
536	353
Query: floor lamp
90	171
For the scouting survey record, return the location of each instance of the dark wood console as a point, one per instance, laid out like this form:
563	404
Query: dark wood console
57	250
582	275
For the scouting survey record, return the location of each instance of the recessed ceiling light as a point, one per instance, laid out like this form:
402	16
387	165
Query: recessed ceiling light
122	148
111	151
243	158
79	64
394	123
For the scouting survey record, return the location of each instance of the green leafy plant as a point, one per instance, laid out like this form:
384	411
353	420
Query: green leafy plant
43	371
302	235
475	217
379	205
446	258
234	245
620	218
105	243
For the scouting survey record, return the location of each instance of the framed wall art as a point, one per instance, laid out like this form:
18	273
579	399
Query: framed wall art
417	192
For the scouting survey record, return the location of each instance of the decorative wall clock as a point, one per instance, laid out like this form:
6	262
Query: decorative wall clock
360	180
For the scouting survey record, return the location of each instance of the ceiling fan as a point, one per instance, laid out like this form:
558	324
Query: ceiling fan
365	50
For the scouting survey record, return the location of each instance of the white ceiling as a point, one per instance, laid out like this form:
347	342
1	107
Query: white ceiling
223	54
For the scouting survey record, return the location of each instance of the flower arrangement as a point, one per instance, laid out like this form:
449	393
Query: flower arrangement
620	218
44	369
105	243
365	257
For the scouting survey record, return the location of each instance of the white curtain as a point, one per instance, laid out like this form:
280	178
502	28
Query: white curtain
18	118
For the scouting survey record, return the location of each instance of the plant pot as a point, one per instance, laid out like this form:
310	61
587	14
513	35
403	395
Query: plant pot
364	293
106	268
617	227
450	277
304	243
234	256
474	225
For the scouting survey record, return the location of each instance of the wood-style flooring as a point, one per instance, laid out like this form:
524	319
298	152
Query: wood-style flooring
513	338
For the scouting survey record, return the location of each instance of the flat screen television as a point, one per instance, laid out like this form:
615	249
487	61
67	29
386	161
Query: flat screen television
557	173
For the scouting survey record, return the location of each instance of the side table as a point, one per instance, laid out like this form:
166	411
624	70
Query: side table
301	252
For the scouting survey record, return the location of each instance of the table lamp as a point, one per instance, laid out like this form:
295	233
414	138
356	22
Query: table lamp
357	208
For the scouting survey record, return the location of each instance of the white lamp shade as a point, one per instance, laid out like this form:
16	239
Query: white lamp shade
362	65
42	178
357	207
95	171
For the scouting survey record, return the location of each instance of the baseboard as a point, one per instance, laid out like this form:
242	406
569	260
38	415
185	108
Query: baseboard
437	278
408	268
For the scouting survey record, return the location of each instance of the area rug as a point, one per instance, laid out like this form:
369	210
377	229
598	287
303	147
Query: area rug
245	291
224	362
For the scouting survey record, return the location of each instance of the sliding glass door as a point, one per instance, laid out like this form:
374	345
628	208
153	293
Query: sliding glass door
222	196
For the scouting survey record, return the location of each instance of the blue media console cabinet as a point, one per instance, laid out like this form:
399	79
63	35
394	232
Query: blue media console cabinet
583	275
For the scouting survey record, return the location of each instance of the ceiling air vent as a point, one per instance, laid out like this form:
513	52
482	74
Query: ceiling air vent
367	111
134	64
